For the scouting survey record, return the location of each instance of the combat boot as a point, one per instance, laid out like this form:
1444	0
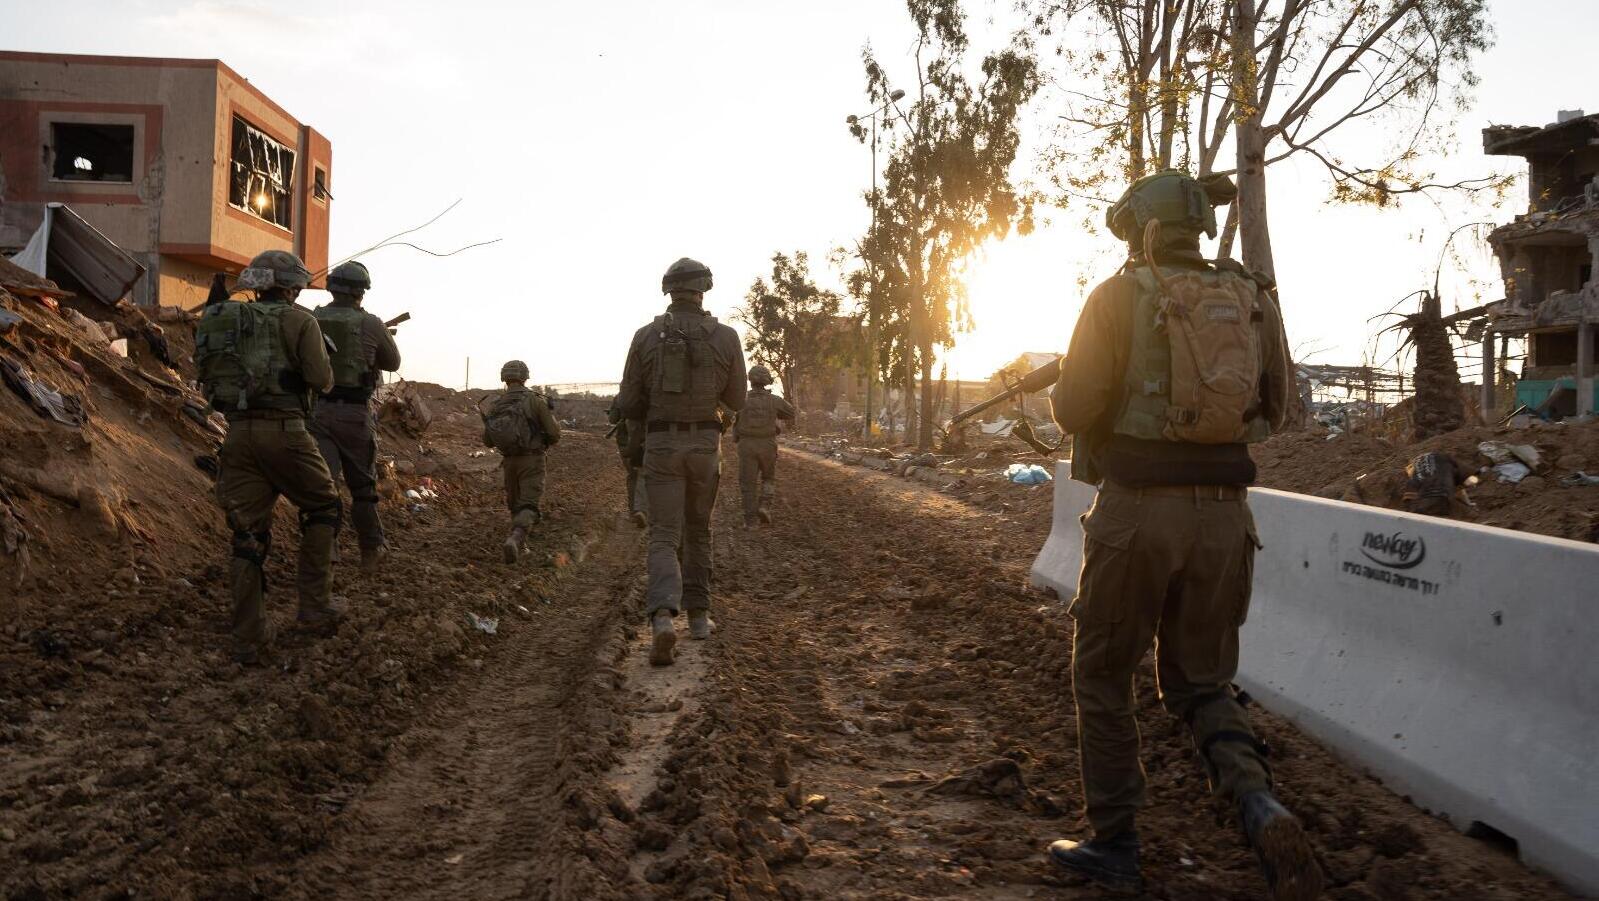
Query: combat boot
513	544
640	519
372	558
663	638
320	621
750	523
700	624
1286	857
1110	863
764	515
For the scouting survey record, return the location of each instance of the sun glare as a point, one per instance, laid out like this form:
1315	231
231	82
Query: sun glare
1023	298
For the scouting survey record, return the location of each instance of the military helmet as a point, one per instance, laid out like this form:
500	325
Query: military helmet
686	275
275	269
760	375
349	278
514	371
1170	196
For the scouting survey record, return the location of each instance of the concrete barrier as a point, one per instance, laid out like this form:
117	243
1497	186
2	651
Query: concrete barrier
1458	663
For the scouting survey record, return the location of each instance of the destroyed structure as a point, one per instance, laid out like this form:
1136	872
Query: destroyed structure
1547	259
181	163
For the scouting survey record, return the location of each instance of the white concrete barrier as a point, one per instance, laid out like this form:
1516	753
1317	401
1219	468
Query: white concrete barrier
1459	663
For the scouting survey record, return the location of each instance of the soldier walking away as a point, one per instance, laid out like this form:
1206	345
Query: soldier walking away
344	425
260	364
521	427
629	436
1176	365
682	368
755	431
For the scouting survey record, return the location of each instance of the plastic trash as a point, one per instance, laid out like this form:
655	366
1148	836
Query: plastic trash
1512	472
1500	452
1579	479
485	624
1027	474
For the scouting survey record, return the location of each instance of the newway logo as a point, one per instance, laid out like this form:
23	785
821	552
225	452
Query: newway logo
1395	551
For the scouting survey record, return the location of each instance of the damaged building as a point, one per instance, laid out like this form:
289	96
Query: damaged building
1547	259
181	163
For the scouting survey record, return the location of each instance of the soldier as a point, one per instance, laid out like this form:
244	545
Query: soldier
756	431
682	368
1176	365
345	429
521	427
630	446
261	364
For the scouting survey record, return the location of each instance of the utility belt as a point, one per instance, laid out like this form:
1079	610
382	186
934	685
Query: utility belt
349	395
683	426
1197	492
294	424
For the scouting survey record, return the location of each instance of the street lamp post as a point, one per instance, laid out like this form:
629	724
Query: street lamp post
871	313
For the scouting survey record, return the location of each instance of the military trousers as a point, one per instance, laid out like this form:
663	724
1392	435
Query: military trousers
1169	567
682	470
346	433
260	460
524	488
757	473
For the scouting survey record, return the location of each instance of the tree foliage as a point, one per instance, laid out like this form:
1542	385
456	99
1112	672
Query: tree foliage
946	186
1180	81
791	325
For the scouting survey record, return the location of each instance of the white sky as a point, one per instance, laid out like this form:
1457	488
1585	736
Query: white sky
603	141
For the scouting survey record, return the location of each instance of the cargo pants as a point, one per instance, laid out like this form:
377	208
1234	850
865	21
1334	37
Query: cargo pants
1169	567
524	488
346	433
682	470
757	474
260	460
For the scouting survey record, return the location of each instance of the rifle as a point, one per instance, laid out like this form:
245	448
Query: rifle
403	317
1031	383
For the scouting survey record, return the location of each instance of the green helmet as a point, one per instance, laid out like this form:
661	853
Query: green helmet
760	375
514	371
275	269
349	278
1170	196
686	275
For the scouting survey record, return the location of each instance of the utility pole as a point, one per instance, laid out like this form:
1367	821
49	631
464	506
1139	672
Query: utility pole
467	385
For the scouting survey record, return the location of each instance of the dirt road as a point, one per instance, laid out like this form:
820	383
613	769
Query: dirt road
884	712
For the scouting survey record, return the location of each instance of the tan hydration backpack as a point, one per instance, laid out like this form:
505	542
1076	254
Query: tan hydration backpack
1195	365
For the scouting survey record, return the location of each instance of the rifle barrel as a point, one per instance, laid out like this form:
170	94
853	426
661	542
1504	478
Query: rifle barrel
1031	383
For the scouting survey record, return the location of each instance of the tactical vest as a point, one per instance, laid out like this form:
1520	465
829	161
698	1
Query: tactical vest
342	325
689	374
758	419
242	362
510	427
1194	368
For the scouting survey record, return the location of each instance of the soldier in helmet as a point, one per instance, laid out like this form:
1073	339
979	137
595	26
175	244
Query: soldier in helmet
521	427
1177	364
345	429
682	369
261	364
756	431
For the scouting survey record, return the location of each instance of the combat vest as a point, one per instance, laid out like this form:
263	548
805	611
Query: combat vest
758	419
242	362
342	325
689	374
1195	365
510	428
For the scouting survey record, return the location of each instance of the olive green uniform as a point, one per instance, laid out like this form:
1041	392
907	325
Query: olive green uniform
268	453
629	436
1168	558
756	433
682	463
346	430
524	473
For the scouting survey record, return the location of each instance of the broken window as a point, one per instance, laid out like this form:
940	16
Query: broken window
319	185
85	152
262	179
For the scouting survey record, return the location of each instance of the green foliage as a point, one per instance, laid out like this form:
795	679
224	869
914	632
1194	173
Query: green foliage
792	327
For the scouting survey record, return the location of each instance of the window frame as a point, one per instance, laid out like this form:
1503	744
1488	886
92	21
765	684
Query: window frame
287	167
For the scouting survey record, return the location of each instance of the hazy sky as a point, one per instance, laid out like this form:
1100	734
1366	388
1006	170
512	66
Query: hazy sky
603	141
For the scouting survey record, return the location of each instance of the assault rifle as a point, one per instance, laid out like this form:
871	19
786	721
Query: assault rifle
1031	383
392	323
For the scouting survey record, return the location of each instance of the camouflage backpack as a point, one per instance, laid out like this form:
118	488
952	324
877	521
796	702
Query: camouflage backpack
1194	370
758	419
241	360
508	428
342	327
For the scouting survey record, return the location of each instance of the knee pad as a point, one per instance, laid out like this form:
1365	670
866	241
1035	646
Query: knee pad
252	546
331	515
364	499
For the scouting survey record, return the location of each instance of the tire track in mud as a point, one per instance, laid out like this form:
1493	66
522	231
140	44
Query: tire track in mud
887	713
